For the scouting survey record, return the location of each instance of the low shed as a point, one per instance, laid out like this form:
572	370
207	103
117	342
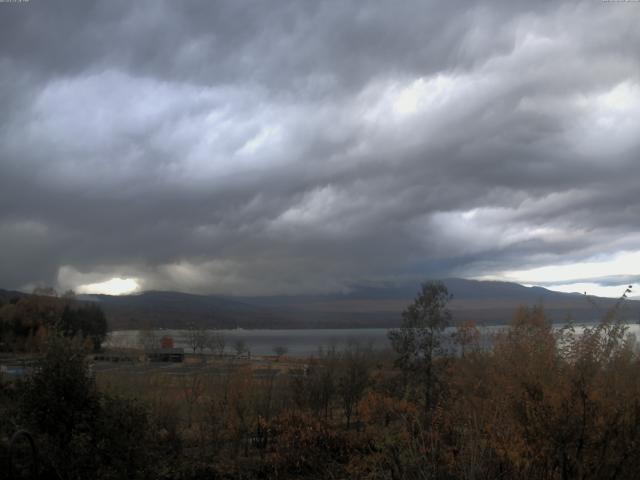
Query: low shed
175	355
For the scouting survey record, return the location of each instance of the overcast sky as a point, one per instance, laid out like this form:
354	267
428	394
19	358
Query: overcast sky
308	146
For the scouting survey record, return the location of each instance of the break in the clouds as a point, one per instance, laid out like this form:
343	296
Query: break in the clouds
287	147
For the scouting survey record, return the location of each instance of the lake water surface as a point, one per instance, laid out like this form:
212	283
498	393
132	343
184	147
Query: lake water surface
298	342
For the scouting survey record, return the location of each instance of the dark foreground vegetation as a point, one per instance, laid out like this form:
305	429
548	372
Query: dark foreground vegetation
538	404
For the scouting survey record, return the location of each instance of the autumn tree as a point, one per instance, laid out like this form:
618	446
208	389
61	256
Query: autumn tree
216	342
197	338
353	379
466	337
26	320
314	387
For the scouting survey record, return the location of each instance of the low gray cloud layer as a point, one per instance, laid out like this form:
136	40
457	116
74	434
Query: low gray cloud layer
263	147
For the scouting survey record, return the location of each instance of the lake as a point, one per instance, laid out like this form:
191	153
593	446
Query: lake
298	342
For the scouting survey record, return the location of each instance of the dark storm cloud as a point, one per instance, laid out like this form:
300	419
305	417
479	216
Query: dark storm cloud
258	147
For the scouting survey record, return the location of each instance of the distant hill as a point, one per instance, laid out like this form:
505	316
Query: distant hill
486	302
176	310
7	295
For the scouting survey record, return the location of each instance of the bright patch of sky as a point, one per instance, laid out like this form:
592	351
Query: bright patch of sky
582	276
614	291
114	286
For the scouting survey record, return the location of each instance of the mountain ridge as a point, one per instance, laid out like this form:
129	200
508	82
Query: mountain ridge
483	301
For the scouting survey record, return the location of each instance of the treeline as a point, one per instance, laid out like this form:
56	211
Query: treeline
26	321
539	403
